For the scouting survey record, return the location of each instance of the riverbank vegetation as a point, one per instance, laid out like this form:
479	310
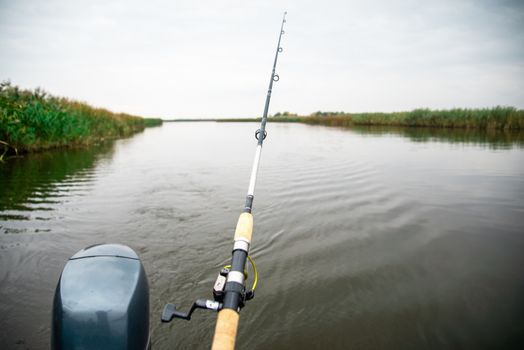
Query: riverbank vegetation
32	120
502	118
496	118
151	122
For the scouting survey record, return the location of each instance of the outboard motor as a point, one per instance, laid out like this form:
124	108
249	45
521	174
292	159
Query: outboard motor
102	301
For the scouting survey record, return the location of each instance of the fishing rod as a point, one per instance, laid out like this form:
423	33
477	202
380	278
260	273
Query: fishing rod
101	300
229	291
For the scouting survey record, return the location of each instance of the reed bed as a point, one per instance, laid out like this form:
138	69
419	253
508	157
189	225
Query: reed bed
496	118
506	118
32	120
151	122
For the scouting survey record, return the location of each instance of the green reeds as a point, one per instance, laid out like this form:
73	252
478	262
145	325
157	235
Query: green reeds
34	120
505	118
150	122
497	118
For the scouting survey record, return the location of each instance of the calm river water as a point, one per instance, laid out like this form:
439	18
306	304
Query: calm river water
364	238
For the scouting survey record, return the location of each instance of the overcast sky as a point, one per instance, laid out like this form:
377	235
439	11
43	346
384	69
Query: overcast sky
174	59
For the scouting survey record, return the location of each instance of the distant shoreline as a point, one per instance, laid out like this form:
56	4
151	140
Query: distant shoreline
32	121
496	118
188	120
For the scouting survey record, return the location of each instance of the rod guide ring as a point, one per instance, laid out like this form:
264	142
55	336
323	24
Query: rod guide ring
257	134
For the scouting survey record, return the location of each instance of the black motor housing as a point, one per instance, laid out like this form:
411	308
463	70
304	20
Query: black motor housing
102	301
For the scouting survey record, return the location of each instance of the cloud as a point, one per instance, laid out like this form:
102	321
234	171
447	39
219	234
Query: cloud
209	58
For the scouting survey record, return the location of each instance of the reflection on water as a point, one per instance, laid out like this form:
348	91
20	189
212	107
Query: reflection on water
494	139
365	238
32	186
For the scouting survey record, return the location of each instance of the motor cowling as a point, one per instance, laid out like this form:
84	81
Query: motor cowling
102	301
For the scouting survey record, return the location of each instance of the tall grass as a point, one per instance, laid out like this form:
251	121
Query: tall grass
507	118
150	122
34	120
502	118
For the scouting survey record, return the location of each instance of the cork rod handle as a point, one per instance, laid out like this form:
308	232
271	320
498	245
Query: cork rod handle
226	330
